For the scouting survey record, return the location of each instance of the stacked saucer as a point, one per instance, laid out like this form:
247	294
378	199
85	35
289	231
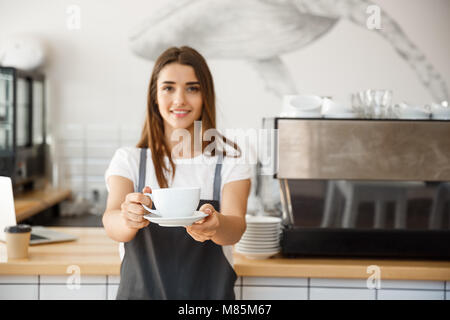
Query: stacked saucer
261	239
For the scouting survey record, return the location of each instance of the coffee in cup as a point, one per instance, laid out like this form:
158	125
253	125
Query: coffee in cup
17	241
175	202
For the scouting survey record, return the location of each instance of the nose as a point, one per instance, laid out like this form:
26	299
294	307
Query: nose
179	99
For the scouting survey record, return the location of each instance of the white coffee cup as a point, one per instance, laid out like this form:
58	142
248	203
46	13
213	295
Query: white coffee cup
174	202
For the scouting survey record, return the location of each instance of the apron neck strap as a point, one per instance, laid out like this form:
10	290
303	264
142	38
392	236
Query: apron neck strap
218	177
142	165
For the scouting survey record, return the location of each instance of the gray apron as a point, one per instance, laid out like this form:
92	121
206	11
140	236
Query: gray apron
167	263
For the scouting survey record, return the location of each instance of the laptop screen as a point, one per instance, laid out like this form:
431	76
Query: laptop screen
7	211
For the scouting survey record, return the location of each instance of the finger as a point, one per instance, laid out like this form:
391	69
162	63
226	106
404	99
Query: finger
130	214
143	224
135	208
147	189
137	197
207	208
201	221
209	222
133	217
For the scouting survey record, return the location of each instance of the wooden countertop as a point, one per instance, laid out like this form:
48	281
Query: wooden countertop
342	268
96	254
93	252
33	202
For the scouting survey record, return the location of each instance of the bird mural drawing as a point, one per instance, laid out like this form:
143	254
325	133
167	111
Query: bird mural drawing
260	31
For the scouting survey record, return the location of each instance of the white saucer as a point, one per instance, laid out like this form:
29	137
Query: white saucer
176	221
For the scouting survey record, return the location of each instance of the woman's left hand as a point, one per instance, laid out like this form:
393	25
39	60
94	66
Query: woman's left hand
206	228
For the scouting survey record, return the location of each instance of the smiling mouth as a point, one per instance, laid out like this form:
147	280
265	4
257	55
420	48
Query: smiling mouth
179	113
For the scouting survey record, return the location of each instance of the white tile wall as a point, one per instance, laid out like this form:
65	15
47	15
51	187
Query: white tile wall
75	183
130	134
19	291
237	292
97	166
4	279
129	142
71	149
394	294
257	288
274	293
409	284
64	292
447	293
112	286
95	183
113	279
101	150
63	279
71	131
102	132
341	294
18	287
83	153
254	281
73	167
238	288
65	287
340	283
112	291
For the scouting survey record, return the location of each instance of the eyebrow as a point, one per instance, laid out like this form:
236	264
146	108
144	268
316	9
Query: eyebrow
188	83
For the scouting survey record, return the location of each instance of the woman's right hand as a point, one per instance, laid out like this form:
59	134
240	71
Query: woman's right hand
132	210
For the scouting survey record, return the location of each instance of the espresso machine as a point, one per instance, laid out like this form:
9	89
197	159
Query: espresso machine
363	187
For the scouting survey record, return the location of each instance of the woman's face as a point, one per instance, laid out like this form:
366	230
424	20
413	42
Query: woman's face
178	96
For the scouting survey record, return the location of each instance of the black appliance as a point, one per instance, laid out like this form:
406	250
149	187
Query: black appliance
22	126
363	188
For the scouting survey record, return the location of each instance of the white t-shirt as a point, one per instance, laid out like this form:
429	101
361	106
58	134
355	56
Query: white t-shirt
196	172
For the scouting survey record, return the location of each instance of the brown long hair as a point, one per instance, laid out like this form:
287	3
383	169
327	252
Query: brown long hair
152	135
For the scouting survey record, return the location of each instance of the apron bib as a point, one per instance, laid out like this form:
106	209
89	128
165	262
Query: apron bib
166	263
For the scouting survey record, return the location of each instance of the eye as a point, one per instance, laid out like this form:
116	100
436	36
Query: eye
193	89
167	88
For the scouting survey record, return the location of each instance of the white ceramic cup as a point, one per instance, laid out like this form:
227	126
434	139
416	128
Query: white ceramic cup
174	202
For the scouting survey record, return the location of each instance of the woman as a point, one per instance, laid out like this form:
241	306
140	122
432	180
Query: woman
192	262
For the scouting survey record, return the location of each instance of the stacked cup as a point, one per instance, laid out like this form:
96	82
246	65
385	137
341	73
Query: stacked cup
261	239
